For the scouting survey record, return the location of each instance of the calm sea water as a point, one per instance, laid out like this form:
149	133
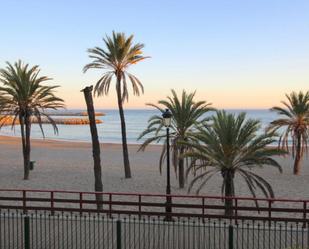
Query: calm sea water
109	131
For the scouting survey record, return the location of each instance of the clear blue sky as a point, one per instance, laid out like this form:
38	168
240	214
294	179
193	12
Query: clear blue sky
234	53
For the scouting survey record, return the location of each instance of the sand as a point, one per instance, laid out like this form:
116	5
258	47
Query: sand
68	166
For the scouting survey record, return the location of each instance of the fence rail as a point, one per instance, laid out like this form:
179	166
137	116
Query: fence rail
154	205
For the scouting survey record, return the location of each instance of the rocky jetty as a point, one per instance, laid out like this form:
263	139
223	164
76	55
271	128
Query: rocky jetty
76	114
8	120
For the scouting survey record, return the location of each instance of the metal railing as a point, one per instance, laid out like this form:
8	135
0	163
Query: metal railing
68	219
154	205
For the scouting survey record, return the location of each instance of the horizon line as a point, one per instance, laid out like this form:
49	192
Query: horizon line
150	109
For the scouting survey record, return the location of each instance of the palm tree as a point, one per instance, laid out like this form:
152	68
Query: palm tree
23	96
295	125
119	55
229	146
187	116
96	152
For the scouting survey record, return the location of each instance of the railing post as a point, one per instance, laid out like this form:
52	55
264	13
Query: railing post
269	212
24	202
203	208
110	205
305	213
118	234
52	202
231	237
26	232
139	206
81	203
236	210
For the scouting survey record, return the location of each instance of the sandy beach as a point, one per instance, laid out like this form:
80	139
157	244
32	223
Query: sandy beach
68	166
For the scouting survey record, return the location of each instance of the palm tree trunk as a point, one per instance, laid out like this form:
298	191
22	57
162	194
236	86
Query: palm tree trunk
27	147
297	162
98	185
126	162
229	192
181	170
23	140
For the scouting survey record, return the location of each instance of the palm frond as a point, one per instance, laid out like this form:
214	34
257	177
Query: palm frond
231	145
118	55
24	95
188	115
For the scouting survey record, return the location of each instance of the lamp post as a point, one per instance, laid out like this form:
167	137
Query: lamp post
167	120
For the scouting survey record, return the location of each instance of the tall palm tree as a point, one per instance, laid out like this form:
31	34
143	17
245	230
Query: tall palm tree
23	96
96	152
188	114
229	146
294	124
120	53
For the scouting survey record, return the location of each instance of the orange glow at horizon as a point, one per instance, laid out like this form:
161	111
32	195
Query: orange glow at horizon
250	90
255	99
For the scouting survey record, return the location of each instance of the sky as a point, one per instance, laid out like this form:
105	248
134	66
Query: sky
234	54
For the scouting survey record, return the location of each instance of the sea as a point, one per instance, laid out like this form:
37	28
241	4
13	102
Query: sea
110	132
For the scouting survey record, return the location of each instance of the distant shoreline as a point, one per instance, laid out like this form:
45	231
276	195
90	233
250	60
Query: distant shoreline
70	143
75	143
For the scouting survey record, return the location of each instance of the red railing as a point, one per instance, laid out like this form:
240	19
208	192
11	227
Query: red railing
154	205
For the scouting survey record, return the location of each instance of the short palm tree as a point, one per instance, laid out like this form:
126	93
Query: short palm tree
294	124
23	96
229	146
96	151
188	114
120	53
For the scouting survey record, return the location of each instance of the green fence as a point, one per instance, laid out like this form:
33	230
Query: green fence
41	230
